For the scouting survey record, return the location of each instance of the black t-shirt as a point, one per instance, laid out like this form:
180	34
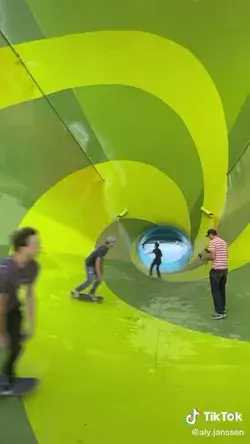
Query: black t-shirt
158	254
99	252
12	277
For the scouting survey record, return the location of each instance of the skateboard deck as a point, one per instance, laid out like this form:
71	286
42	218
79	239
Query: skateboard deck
87	298
22	386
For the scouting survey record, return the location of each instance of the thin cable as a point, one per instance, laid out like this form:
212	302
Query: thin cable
238	158
50	104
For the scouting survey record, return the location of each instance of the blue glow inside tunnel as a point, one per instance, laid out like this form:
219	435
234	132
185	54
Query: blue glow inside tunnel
175	245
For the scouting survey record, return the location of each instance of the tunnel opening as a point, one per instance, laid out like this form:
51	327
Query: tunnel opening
175	245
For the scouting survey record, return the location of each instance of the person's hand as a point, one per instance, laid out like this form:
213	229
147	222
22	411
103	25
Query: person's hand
99	278
3	342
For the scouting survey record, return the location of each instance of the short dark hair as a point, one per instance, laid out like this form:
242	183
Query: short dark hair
212	232
21	237
157	244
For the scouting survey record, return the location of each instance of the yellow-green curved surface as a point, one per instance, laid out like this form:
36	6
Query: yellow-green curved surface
142	106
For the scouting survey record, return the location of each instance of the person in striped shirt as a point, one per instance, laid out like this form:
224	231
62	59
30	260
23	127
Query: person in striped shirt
218	255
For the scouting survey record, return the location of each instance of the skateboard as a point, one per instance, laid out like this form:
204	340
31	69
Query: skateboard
88	298
22	386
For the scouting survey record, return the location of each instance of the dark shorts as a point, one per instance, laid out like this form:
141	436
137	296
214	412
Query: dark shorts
156	262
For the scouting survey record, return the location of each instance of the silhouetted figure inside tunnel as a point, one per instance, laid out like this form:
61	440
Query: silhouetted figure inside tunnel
157	260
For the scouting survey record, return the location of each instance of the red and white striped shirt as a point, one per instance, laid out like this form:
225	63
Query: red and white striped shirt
219	247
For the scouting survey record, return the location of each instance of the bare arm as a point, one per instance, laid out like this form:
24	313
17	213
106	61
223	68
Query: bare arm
3	304
2	321
209	256
2	314
212	253
31	307
98	268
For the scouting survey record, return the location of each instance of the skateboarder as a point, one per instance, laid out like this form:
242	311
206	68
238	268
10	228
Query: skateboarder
93	265
19	269
157	260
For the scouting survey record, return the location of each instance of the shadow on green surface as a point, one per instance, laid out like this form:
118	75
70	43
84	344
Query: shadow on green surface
14	424
188	304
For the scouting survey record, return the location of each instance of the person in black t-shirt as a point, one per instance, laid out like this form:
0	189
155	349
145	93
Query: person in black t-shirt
157	260
17	270
93	265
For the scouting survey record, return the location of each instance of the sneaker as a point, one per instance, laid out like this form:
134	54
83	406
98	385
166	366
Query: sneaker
224	312
75	294
218	316
6	390
93	297
5	386
3	380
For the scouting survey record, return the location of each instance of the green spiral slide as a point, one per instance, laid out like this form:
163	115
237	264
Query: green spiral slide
143	105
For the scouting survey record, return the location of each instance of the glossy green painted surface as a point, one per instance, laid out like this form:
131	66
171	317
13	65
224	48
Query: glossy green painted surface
145	139
131	370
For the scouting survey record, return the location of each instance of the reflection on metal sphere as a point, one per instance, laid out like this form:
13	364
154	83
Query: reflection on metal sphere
175	245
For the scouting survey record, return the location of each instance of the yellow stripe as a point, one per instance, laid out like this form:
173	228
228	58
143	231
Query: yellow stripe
153	64
16	85
88	205
141	60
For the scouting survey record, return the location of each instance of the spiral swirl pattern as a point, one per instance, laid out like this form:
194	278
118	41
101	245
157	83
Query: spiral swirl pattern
150	120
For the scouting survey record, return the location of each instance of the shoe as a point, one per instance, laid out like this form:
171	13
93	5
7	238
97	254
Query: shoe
3	380
218	316
74	294
93	297
224	312
6	388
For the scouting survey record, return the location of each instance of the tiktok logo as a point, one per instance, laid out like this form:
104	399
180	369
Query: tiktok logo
192	418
